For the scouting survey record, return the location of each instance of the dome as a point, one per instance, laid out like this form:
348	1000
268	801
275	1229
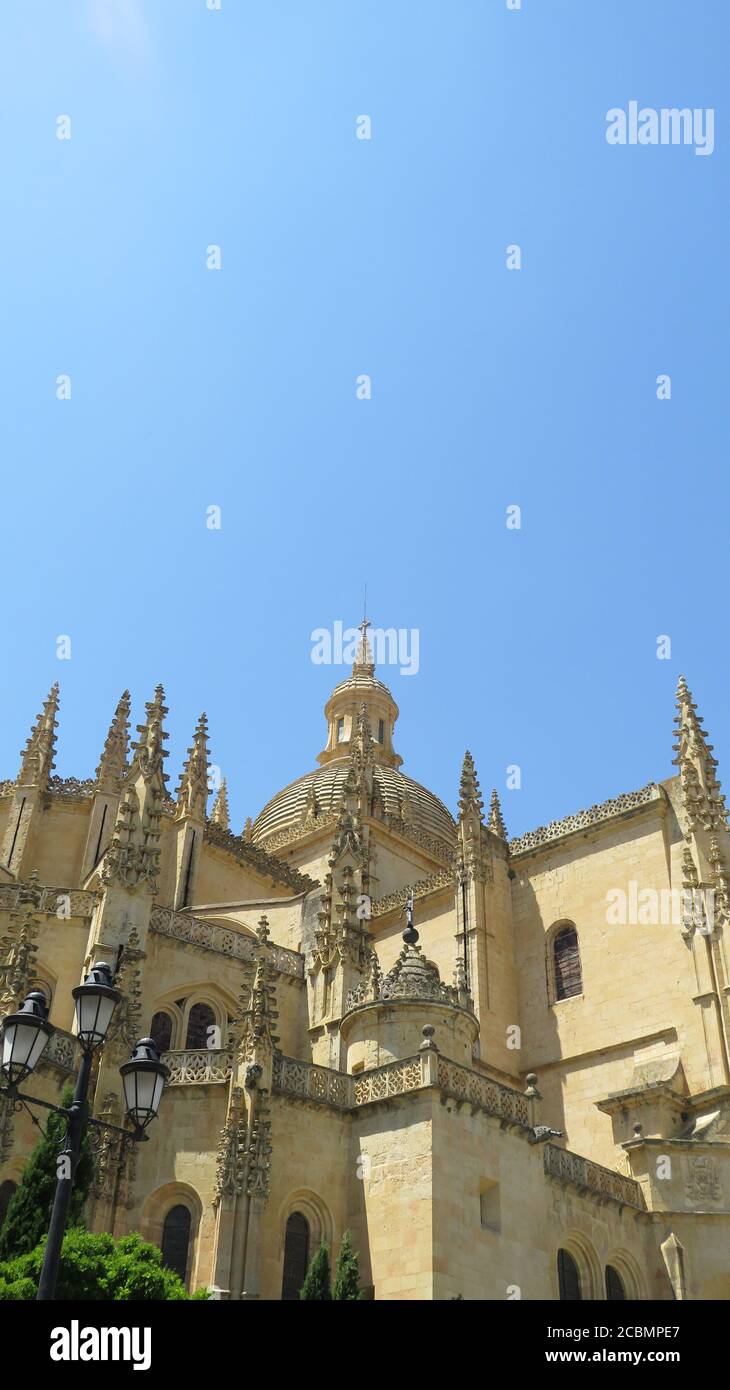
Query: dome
361	715
400	797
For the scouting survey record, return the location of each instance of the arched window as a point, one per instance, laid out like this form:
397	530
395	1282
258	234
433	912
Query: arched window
200	1020
296	1256
566	972
7	1189
568	1278
615	1291
161	1030
176	1239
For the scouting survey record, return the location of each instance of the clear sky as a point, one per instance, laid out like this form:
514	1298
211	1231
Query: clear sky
235	388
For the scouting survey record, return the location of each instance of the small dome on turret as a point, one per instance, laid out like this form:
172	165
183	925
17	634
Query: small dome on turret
385	1014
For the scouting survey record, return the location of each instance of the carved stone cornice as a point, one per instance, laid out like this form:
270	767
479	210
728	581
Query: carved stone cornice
443	878
245	852
585	820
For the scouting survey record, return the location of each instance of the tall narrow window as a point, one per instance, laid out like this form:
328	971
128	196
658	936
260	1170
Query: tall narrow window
201	1022
381	731
566	964
615	1291
176	1239
161	1030
7	1189
568	1278
296	1256
340	730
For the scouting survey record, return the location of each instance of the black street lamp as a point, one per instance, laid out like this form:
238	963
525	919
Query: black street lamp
25	1035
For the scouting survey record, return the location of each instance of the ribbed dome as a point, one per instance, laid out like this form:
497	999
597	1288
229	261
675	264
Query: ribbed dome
361	685
361	714
400	797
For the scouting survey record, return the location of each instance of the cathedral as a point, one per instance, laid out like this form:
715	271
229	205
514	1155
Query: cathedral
503	1065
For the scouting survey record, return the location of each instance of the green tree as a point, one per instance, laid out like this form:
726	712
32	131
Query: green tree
97	1268
346	1288
316	1287
29	1210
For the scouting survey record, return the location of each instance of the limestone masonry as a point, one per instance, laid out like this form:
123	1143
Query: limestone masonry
524	1094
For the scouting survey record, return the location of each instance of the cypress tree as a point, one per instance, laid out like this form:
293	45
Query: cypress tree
346	1288
316	1286
29	1210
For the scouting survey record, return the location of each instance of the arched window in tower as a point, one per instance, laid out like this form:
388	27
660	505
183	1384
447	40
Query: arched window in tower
568	1278
201	1020
296	1256
176	1239
340	730
615	1291
161	1030
566	971
7	1189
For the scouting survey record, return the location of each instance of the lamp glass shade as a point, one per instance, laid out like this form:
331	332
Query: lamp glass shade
25	1036
144	1077
95	1001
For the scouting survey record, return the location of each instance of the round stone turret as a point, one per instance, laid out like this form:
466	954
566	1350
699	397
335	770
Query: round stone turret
387	1015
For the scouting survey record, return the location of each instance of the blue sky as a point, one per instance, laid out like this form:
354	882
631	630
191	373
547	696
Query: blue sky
193	388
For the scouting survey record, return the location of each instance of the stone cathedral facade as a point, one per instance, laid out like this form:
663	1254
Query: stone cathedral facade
502	1065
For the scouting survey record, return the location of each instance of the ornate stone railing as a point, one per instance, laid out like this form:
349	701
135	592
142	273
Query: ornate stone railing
54	902
390	1080
246	852
62	1051
443	879
584	820
481	1091
310	1082
198	1068
72	788
211	936
592	1177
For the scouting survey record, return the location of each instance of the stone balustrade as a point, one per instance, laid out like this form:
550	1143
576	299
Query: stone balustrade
310	1082
54	902
391	1080
201	1067
592	1177
483	1093
62	1052
224	941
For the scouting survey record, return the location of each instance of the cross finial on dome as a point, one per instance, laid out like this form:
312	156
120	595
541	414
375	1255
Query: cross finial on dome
363	664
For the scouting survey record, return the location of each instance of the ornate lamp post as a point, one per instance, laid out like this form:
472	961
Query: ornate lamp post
25	1036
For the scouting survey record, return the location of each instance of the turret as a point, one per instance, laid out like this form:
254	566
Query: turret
31	786
387	1016
192	799
484	918
109	778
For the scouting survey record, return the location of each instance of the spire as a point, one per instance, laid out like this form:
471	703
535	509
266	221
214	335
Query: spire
704	803
496	823
113	764
362	748
470	798
192	792
38	754
149	753
220	814
262	1011
363	664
